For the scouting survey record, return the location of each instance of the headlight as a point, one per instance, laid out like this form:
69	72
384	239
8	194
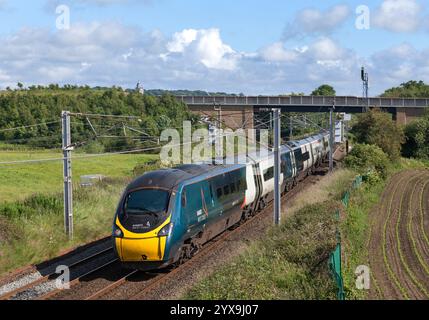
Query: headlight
164	232
117	232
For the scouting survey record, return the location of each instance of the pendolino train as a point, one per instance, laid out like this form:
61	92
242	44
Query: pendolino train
165	216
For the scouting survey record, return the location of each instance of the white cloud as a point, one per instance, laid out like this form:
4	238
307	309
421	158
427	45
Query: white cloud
205	46
181	40
399	15
326	49
315	21
276	52
108	54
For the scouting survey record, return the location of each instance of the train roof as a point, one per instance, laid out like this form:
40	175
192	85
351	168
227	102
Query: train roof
170	178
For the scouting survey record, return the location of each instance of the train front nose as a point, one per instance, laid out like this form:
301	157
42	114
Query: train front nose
149	248
142	226
140	247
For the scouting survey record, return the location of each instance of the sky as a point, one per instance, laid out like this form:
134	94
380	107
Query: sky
241	46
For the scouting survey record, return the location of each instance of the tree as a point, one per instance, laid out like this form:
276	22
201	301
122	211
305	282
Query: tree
410	89
324	90
368	160
377	128
417	138
20	85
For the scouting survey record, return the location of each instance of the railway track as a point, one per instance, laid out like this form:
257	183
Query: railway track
107	279
46	281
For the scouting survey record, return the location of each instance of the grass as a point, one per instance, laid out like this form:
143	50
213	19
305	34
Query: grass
31	205
21	181
330	187
355	230
292	260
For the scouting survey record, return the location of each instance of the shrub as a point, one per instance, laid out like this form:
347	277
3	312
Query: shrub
417	139
377	128
368	160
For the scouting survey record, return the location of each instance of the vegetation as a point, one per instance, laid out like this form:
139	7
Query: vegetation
410	89
324	90
355	230
417	139
377	128
44	105
369	161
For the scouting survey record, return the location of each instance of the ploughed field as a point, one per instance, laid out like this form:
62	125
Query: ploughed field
399	241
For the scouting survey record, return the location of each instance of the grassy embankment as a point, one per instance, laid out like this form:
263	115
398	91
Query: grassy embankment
31	208
291	261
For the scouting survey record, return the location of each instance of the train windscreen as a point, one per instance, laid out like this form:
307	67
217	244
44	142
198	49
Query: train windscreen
144	210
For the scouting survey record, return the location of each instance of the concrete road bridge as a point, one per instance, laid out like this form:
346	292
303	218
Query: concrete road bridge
239	111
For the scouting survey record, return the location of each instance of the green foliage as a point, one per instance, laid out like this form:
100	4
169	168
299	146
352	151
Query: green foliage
40	105
355	232
417	139
410	89
368	160
35	205
377	128
324	90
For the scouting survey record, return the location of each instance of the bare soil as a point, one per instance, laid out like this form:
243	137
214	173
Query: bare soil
398	249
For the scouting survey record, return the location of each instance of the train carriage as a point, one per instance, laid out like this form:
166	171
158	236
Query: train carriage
165	216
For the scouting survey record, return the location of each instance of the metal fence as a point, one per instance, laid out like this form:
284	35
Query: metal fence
335	265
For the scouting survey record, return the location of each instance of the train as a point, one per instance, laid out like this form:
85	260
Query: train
165	217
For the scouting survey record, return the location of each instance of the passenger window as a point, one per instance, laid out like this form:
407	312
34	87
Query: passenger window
232	186
269	174
219	193
183	200
211	191
306	156
226	190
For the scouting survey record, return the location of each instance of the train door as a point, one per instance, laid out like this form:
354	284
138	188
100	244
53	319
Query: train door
305	157
298	160
195	211
209	200
287	166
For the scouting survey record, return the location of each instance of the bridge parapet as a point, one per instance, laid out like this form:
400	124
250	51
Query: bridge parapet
306	101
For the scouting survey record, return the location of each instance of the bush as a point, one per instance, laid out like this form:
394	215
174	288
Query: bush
377	128
368	160
417	139
37	204
94	147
